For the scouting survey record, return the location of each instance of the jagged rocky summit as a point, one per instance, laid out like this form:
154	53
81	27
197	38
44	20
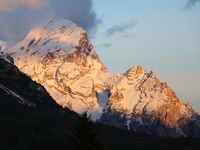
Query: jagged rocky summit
140	102
61	58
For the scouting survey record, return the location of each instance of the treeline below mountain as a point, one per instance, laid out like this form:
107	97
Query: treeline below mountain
37	129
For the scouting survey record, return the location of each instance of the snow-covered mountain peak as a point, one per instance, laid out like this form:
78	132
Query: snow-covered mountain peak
61	31
135	71
139	70
61	58
57	35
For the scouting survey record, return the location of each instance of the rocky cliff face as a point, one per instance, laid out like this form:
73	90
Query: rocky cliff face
143	102
60	57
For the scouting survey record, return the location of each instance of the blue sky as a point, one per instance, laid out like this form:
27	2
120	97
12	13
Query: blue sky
165	39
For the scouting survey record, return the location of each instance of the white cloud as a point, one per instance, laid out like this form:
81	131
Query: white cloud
17	17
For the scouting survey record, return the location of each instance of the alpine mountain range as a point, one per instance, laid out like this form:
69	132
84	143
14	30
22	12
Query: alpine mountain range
60	57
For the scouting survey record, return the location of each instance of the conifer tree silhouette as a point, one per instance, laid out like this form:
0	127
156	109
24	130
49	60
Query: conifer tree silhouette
85	134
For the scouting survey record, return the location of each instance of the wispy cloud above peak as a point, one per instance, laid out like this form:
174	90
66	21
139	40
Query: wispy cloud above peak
106	45
11	5
121	28
191	3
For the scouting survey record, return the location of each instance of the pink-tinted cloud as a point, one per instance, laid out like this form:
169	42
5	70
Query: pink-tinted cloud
10	5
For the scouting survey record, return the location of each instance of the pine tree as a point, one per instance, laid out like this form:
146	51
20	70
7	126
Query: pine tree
85	135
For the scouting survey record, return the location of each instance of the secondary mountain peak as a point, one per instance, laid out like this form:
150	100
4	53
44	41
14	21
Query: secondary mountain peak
141	101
